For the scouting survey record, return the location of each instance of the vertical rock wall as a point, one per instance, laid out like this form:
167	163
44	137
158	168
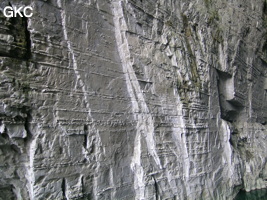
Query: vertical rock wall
134	99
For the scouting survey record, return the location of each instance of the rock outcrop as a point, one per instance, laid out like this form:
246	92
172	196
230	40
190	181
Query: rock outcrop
133	99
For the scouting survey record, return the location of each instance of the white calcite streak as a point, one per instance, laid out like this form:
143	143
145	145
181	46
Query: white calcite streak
145	125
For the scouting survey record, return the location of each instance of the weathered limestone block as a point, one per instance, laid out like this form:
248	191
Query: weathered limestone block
133	99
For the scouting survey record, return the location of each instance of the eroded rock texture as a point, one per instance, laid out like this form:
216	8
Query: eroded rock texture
133	99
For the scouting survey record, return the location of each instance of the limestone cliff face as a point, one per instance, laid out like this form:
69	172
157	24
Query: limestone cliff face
133	99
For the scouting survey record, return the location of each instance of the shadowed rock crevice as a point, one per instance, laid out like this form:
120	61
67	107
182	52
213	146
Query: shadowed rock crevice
15	37
63	189
230	106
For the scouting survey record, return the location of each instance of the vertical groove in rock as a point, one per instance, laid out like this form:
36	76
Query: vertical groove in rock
63	189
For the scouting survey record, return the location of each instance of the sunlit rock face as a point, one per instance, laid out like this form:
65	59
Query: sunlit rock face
133	99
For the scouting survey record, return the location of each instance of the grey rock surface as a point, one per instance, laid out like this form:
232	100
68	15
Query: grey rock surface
133	99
